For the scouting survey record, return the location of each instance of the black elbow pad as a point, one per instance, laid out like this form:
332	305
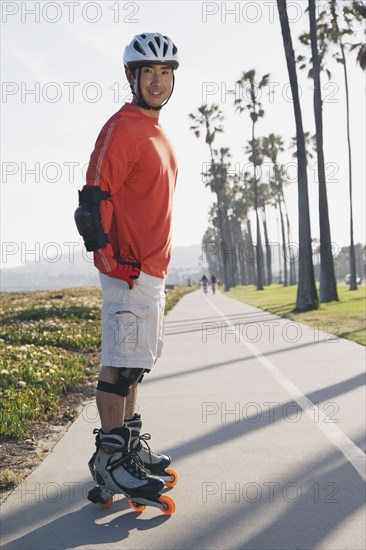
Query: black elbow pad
87	217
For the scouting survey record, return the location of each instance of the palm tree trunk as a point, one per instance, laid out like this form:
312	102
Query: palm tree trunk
251	260
278	237
307	297
259	255
268	248
231	246
223	243
292	260
284	248
259	249
353	282
353	272
220	214
221	267
328	285
238	237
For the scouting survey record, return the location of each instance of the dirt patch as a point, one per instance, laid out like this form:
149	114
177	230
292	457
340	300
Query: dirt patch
20	457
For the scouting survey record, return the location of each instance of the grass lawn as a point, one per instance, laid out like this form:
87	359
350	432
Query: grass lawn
345	318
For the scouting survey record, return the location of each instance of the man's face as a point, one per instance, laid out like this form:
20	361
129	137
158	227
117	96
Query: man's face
155	83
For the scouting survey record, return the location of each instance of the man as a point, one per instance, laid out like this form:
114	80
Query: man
124	216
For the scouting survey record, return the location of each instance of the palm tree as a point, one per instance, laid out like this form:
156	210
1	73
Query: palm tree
207	117
210	119
329	31
291	253
336	35
310	148
240	207
256	111
211	237
255	155
249	247
272	145
307	297
265	194
226	196
328	285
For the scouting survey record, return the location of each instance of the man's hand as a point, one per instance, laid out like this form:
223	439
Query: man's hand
126	271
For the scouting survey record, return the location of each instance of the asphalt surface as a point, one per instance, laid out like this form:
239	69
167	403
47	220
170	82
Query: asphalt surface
265	421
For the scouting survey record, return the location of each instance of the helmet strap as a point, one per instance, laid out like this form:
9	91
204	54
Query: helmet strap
140	102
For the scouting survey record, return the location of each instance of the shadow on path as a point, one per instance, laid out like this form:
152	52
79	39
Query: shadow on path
195	370
261	418
298	512
88	525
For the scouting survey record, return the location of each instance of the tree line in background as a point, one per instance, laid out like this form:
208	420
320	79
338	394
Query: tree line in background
228	241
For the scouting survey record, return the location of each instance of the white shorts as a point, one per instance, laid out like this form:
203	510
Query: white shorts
132	321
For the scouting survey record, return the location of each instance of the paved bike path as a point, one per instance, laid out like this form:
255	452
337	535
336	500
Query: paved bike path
264	419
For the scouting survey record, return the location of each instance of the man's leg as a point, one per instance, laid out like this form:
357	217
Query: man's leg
113	465
111	406
131	403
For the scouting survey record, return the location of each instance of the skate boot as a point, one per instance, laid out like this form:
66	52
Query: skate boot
155	464
117	469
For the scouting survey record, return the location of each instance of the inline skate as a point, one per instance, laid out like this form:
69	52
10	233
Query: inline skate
154	464
117	469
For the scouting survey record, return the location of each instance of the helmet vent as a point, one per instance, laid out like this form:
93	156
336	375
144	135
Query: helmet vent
137	47
152	48
157	40
174	49
165	48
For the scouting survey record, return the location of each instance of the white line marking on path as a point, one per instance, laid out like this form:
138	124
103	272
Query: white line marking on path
352	453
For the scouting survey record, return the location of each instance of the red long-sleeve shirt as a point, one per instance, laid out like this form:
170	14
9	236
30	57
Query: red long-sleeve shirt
135	163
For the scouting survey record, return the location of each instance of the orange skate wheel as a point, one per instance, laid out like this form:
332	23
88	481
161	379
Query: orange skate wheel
107	504
136	507
175	479
169	505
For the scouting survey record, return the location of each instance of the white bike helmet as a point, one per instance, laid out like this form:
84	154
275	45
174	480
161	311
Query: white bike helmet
151	48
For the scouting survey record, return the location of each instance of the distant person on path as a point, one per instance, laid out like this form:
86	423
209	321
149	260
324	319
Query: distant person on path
204	283
213	283
124	216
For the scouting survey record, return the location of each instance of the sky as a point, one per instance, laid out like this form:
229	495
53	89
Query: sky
63	77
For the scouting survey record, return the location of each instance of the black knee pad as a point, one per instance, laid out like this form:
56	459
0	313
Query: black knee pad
126	379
